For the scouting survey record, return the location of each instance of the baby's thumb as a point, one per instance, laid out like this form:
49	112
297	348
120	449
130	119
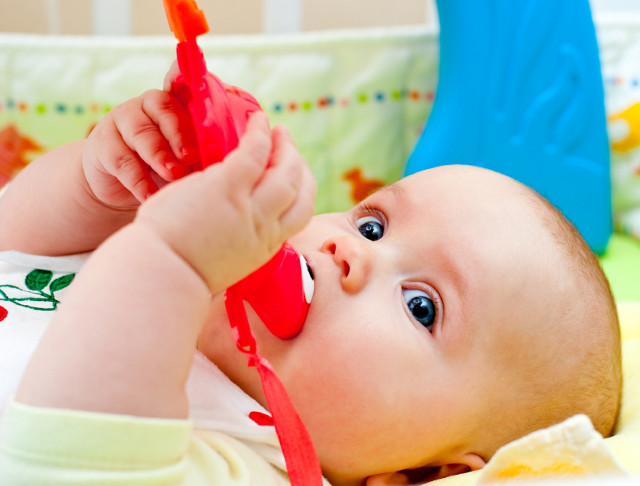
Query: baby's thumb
170	77
250	159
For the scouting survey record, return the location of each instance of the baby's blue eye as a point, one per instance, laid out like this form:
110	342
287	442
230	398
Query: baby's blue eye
421	307
370	227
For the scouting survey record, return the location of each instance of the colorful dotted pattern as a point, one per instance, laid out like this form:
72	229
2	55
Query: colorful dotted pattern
43	108
360	99
278	107
620	81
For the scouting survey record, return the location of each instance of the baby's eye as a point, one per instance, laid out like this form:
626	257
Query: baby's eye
370	227
421	307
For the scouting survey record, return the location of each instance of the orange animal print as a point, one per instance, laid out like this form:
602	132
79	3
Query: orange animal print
15	151
630	119
361	187
90	129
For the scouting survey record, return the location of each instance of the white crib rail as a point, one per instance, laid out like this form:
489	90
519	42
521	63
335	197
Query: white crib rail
281	16
110	17
121	17
53	16
114	17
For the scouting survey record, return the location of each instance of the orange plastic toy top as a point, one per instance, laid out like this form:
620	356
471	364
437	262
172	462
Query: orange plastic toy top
185	19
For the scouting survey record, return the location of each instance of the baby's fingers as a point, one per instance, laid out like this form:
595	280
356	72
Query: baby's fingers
174	121
120	162
246	165
161	133
298	214
287	191
170	77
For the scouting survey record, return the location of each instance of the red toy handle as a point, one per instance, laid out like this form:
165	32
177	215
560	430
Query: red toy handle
280	291
219	111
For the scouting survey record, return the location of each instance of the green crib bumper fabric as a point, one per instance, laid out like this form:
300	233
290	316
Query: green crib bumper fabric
621	264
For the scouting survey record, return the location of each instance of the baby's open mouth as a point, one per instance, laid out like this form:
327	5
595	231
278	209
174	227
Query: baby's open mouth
308	284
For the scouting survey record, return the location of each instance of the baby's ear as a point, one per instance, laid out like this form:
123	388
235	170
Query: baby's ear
421	475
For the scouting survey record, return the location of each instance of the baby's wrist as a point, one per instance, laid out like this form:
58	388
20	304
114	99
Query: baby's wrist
178	243
155	246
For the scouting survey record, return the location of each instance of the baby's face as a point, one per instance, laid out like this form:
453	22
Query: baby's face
412	291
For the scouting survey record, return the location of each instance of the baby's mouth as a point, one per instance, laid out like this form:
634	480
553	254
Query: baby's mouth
280	292
308	283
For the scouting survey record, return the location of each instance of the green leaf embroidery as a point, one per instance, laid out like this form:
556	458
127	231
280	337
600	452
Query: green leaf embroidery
61	282
38	279
34	297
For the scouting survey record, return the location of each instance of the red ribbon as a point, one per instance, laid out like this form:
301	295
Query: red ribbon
300	456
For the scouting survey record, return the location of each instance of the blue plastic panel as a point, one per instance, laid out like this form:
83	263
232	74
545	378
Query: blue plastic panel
520	92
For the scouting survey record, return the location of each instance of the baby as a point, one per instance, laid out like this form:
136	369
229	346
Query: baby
454	311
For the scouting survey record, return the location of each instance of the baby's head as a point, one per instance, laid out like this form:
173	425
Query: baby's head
454	312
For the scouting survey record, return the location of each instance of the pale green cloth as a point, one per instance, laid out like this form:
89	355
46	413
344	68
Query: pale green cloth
48	447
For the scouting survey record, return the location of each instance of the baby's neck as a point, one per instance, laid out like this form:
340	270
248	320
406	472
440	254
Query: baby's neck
216	343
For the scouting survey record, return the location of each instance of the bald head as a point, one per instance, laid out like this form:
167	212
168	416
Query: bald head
563	353
591	321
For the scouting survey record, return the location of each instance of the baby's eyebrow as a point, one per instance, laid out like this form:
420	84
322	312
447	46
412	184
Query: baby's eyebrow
395	191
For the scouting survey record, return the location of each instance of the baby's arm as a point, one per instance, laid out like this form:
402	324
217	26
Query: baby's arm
123	340
72	198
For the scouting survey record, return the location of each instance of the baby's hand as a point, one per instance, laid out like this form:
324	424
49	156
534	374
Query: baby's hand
138	147
231	218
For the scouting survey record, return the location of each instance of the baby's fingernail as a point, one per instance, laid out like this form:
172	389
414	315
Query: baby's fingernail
284	131
176	170
188	156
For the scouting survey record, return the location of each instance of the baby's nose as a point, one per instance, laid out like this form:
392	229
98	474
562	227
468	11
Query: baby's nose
353	259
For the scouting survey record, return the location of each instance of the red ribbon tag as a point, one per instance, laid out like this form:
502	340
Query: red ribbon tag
300	456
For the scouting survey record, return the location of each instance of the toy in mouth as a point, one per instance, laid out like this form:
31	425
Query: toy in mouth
280	292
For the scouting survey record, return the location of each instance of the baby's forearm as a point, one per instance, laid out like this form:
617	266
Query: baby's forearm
123	340
49	209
